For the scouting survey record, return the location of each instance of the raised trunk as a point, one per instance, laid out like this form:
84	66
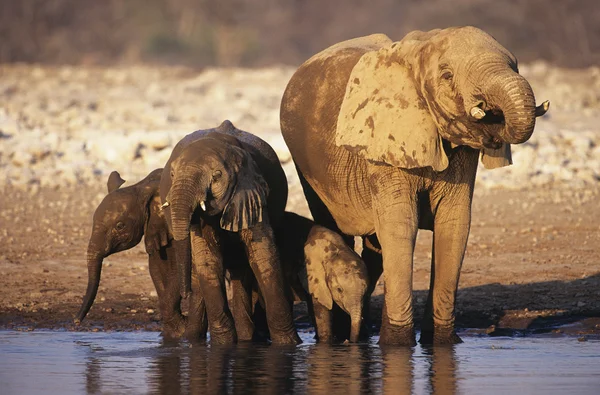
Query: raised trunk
94	260
511	94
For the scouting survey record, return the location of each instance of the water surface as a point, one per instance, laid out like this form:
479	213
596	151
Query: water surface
139	363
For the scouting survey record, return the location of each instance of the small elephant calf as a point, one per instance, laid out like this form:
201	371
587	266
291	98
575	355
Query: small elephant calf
317	262
122	218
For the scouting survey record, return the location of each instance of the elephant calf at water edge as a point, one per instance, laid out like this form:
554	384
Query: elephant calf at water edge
122	218
223	190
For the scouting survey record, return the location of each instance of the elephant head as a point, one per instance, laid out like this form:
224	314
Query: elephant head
218	180
119	223
404	100
335	273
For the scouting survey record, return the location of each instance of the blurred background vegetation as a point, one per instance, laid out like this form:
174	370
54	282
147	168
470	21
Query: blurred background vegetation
263	32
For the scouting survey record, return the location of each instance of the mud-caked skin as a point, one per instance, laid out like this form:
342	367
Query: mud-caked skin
322	270
122	218
224	187
386	137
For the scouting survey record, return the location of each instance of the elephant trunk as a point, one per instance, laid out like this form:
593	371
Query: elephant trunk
182	204
510	100
94	263
355	324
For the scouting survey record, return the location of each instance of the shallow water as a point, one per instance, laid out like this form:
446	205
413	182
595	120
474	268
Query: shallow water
132	363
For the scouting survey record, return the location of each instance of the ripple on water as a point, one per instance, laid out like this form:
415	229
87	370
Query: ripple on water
64	362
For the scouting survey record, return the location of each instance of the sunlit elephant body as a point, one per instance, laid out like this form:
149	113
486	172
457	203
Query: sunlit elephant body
386	137
122	218
223	190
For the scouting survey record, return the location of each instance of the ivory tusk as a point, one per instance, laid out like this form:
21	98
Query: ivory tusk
477	112
542	108
203	205
165	205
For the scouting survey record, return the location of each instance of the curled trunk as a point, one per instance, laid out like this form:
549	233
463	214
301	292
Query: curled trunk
512	95
94	263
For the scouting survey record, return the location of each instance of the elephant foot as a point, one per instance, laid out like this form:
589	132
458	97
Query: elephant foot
441	335
395	335
174	328
291	338
223	337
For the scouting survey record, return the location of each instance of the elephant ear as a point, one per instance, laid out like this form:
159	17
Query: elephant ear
249	198
383	118
493	158
316	280
114	181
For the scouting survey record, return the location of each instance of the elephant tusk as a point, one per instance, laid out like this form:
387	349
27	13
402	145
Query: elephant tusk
165	205
477	113
203	206
542	108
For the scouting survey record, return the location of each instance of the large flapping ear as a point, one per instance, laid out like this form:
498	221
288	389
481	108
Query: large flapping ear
249	198
383	118
316	279
114	181
493	158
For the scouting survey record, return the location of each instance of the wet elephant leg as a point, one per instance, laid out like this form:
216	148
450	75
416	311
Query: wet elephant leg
208	262
163	274
323	323
197	321
371	255
241	303
259	243
449	244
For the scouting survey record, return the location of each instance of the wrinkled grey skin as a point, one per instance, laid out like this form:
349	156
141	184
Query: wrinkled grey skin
322	269
239	180
448	96
122	218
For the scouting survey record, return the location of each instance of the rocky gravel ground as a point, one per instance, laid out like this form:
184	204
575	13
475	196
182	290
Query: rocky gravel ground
533	256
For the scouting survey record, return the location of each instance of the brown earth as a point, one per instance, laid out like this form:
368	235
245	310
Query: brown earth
532	265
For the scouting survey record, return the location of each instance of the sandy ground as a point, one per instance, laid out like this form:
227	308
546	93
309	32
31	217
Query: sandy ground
532	265
533	258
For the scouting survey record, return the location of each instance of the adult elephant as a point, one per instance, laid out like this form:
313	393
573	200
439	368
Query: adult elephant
223	190
386	135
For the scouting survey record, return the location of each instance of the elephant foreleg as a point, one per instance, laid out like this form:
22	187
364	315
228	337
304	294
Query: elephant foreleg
259	242
164	277
197	321
451	231
209	268
323	322
241	303
396	227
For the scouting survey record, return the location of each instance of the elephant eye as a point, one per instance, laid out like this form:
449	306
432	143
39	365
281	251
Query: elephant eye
340	290
216	175
120	226
447	75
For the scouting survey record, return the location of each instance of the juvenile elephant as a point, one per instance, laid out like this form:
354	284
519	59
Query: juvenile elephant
122	218
223	189
322	269
386	136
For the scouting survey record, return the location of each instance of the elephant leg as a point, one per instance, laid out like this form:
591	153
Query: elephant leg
262	254
371	255
396	225
449	244
163	274
197	321
209	268
323	324
241	303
